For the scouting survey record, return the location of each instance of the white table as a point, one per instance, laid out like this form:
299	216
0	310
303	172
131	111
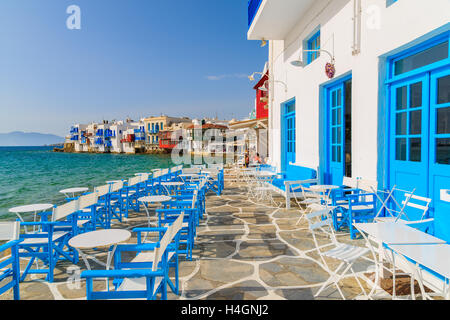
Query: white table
168	185
433	256
73	191
152	199
392	234
31	208
99	239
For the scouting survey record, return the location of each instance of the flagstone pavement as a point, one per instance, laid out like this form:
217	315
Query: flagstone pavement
243	251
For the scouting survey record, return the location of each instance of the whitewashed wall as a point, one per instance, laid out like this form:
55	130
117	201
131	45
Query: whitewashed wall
399	24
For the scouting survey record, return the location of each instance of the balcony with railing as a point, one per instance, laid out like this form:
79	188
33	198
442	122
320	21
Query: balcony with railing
74	138
99	141
73	130
110	133
99	133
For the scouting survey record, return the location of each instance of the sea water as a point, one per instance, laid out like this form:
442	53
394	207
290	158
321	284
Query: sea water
30	175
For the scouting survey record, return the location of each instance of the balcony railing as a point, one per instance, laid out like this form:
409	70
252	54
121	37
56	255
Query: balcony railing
74	138
253	6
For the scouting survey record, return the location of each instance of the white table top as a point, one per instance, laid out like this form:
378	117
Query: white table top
433	256
31	208
155	199
172	184
392	233
99	238
324	187
74	190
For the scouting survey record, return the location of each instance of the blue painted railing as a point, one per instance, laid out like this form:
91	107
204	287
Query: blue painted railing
253	6
74	138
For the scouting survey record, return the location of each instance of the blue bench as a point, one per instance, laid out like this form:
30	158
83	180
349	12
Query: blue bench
293	177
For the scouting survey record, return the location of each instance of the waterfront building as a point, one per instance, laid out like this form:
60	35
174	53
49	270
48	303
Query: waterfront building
154	125
201	134
360	89
89	134
76	136
117	128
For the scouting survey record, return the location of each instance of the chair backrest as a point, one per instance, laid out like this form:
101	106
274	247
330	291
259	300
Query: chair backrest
156	174
350	182
62	211
164	171
191	170
9	230
117	186
180	167
134	181
87	200
170	233
143	177
194	198
417	202
102	190
320	218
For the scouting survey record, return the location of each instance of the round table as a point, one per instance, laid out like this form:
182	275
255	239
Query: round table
99	239
190	177
31	208
73	191
325	189
174	184
152	199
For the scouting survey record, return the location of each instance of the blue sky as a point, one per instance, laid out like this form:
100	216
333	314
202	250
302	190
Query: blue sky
131	58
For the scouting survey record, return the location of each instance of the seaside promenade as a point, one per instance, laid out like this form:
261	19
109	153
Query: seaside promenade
243	251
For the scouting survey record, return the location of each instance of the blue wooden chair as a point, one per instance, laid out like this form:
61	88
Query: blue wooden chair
147	275
171	211
10	268
355	205
49	243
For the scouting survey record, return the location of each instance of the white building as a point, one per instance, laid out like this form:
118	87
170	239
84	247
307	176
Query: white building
117	129
385	113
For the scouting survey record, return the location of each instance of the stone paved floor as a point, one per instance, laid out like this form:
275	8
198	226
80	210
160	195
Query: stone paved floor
244	250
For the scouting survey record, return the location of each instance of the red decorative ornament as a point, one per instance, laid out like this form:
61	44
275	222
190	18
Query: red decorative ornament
330	70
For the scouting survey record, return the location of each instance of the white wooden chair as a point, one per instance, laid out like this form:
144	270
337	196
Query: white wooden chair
320	220
52	239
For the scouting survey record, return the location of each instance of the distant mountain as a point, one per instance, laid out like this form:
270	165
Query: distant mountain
25	139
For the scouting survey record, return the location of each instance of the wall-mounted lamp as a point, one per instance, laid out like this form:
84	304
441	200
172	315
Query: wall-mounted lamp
300	63
252	76
263	42
264	88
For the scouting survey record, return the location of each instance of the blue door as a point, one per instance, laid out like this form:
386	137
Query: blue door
288	136
439	154
420	141
336	134
409	138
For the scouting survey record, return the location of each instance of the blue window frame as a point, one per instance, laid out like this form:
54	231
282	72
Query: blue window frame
314	44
